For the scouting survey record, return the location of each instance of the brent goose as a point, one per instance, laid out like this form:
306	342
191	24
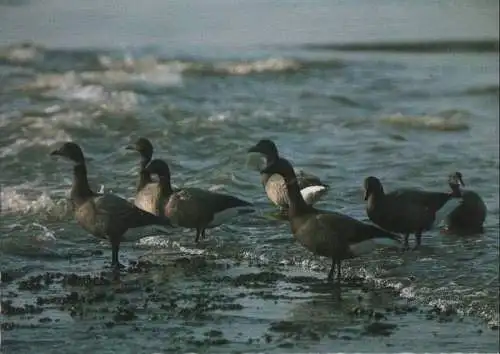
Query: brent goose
311	187
194	208
408	211
147	190
469	216
105	216
327	233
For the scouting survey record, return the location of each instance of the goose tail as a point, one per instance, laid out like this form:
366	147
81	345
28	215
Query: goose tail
377	238
446	209
313	194
145	218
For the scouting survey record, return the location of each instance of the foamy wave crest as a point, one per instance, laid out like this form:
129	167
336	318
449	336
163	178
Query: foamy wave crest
132	70
446	298
21	53
252	256
453	122
155	241
111	101
36	133
44	235
71	86
258	66
162	75
162	242
24	200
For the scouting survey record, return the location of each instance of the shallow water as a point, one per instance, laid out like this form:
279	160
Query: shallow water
203	92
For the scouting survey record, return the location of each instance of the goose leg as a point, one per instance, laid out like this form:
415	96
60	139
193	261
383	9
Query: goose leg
418	239
115	263
198	233
406	246
332	270
203	233
339	272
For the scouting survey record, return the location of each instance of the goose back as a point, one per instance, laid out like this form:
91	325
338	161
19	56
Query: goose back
191	207
432	200
107	215
325	233
397	214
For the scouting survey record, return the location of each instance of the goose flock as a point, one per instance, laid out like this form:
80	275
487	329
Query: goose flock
325	233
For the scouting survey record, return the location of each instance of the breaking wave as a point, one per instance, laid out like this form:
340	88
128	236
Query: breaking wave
455	122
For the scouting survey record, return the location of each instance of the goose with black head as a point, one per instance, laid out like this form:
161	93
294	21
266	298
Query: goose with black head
194	208
105	216
328	233
310	186
408	210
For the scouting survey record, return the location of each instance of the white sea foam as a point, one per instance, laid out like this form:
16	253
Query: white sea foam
162	76
427	122
24	199
257	66
37	133
164	242
21	53
151	65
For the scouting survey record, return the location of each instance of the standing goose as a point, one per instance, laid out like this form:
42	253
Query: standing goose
194	208
311	188
408	211
105	216
147	189
469	216
326	233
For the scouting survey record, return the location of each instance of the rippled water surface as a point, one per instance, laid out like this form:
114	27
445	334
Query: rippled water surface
205	91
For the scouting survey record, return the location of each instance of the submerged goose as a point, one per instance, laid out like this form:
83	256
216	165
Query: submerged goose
194	208
408	211
469	216
327	233
311	188
147	189
105	216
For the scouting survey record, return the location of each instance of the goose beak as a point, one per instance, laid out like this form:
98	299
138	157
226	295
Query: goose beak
130	147
461	182
55	153
365	195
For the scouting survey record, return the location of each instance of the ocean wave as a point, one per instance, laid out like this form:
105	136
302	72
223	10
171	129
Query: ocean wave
258	66
437	46
29	239
123	68
39	134
26	199
71	86
20	53
454	122
445	295
162	242
340	99
152	64
485	90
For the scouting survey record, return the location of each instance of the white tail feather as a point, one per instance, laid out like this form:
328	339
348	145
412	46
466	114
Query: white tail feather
446	209
312	194
370	245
